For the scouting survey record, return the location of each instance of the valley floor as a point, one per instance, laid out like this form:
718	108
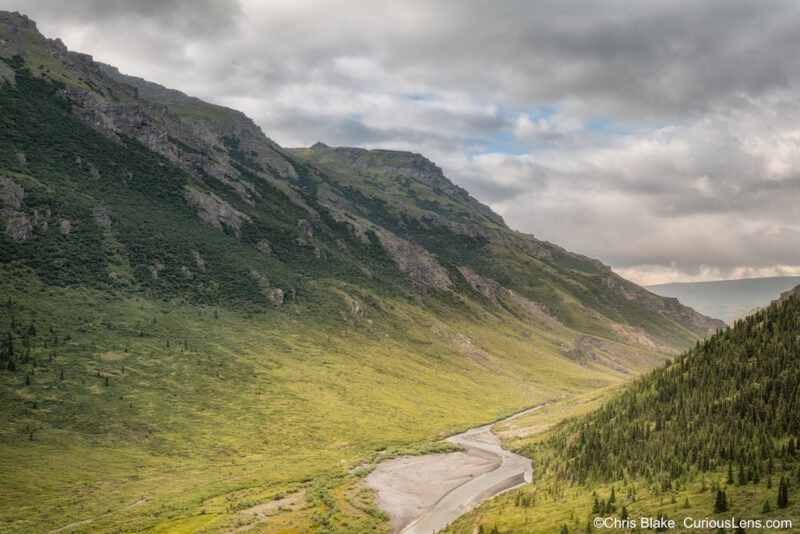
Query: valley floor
426	493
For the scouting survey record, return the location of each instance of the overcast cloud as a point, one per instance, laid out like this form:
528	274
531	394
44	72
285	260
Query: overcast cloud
660	137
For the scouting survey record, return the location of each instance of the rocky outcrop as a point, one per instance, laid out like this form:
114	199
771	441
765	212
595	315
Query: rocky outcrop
119	279
18	226
637	335
305	226
786	295
495	291
11	192
64	227
260	278
215	211
211	124
157	268
414	260
201	263
276	296
101	217
264	247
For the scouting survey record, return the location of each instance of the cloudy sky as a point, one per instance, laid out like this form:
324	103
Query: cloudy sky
661	137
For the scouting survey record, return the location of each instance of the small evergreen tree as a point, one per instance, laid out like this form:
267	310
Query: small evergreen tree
721	502
783	493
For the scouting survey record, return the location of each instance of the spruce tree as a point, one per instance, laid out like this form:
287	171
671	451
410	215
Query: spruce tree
721	502
783	493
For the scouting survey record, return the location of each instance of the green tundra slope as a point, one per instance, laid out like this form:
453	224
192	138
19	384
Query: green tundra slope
713	435
201	330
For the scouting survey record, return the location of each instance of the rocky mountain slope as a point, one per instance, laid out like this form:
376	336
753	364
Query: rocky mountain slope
196	320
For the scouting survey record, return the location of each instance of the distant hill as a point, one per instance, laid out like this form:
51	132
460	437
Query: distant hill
727	299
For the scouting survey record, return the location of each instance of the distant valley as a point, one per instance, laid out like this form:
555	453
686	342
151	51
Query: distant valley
727	299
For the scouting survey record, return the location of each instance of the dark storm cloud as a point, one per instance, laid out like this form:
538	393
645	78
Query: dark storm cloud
658	136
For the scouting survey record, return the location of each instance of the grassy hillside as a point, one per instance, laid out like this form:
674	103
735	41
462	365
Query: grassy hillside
200	331
714	435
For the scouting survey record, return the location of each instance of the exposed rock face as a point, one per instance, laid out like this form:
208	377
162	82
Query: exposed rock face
22	159
786	295
589	348
19	227
320	254
619	287
414	260
6	72
579	354
185	270
637	335
208	130
300	241
493	291
11	192
117	278
276	296
101	217
215	211
305	226
157	268
264	247
260	278
64	227
93	172
201	264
